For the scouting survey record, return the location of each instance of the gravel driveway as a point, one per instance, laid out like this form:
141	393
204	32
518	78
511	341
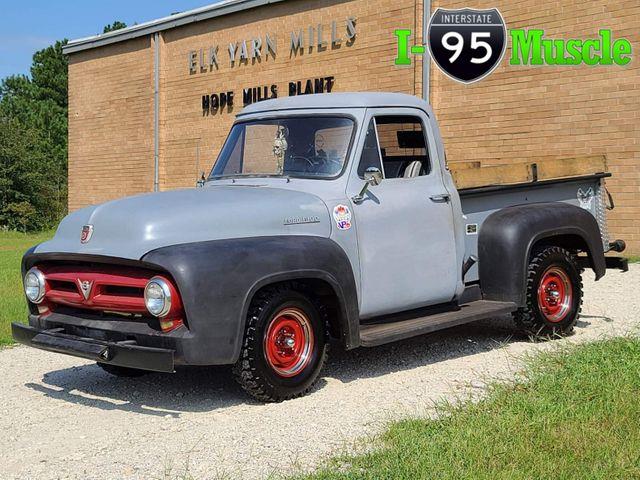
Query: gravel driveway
62	417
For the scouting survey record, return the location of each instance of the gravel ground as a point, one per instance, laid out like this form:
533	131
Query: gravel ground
62	417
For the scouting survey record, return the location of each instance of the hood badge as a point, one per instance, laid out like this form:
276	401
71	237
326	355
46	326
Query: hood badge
85	288
86	234
301	220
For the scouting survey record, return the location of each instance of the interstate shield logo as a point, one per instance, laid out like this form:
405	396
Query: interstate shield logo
467	44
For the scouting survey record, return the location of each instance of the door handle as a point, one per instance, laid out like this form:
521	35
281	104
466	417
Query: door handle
444	198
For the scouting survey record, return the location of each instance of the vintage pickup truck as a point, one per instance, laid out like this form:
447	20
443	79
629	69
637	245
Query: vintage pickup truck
326	218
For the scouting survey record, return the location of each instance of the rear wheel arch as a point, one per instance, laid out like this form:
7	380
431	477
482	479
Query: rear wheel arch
570	241
573	242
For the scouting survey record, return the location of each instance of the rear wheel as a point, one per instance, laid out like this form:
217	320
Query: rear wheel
284	346
122	371
554	293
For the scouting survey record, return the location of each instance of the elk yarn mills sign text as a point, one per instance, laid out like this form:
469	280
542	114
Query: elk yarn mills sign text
316	38
313	39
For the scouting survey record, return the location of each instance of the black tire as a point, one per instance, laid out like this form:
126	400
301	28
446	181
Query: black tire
254	372
539	318
124	372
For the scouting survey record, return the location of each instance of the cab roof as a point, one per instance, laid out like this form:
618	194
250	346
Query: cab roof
338	101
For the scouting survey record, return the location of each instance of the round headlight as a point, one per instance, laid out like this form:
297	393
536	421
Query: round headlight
157	297
34	285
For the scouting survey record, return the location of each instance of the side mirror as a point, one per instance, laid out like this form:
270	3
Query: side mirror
373	178
201	181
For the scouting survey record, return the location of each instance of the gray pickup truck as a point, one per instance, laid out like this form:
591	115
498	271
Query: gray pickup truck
326	218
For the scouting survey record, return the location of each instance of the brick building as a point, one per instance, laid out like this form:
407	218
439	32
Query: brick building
150	105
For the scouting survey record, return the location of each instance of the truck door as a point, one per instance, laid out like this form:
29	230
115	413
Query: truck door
405	226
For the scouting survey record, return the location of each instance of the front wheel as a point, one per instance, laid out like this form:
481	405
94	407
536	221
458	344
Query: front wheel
284	346
554	293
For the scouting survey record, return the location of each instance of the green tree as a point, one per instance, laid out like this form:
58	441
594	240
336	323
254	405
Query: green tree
33	141
28	198
117	25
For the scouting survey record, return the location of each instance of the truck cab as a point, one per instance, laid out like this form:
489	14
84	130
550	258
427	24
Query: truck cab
324	218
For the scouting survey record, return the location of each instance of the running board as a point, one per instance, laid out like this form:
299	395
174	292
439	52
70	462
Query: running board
376	334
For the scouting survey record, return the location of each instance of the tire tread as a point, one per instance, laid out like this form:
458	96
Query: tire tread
525	317
244	369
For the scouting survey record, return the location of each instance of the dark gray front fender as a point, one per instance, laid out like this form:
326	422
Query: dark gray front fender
218	279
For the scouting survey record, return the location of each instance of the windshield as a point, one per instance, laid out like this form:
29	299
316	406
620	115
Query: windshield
309	147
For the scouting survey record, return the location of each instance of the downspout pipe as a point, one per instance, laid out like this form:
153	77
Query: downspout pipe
156	111
426	59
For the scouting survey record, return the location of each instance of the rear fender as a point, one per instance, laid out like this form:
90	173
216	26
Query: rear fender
508	236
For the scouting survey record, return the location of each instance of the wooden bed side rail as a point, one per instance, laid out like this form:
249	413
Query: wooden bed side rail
473	174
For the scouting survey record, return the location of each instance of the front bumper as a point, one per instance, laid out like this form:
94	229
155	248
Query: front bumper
124	353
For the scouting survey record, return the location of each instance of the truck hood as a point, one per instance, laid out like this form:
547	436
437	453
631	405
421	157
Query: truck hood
131	227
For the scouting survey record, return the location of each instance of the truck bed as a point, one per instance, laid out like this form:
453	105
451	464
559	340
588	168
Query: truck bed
586	191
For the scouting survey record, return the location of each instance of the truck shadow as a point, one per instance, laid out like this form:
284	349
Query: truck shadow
207	389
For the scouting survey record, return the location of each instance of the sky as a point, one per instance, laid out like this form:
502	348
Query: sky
30	25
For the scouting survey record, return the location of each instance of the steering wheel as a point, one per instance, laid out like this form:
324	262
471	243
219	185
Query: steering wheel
328	164
300	158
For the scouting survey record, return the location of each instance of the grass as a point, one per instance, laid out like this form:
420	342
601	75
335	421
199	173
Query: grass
573	414
13	306
634	258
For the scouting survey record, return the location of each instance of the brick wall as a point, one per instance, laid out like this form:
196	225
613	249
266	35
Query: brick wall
110	122
524	112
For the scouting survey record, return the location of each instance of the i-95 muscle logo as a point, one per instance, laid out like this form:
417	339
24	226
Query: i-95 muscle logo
468	44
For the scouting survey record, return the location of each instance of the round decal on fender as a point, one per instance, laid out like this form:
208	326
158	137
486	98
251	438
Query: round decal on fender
342	216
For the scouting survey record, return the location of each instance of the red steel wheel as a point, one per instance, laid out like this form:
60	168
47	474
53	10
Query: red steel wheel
288	343
285	343
555	294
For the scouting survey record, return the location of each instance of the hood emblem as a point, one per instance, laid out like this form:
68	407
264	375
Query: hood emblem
87	233
85	288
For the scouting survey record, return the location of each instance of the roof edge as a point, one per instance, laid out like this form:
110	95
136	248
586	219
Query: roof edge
220	9
338	100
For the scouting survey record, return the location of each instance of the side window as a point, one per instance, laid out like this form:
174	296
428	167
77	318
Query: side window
370	153
403	146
